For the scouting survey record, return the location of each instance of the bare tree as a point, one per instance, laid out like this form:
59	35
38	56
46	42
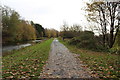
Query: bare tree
104	13
97	13
112	8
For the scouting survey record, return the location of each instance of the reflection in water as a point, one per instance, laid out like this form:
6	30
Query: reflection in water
13	47
37	41
9	48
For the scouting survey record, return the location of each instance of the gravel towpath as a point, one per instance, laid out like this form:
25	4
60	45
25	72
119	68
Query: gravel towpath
63	64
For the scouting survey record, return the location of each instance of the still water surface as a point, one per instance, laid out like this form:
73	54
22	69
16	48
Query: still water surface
15	47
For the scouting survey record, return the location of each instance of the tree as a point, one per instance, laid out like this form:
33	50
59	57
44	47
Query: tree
39	30
97	12
75	28
14	25
27	31
51	33
14	29
112	6
70	32
10	21
104	13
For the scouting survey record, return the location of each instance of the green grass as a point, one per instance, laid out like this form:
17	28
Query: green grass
26	62
104	65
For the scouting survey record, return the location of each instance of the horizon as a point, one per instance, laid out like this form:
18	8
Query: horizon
50	14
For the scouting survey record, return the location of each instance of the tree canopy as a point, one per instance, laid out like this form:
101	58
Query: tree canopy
15	29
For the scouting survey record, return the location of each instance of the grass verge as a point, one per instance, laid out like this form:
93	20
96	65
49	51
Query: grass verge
104	65
26	62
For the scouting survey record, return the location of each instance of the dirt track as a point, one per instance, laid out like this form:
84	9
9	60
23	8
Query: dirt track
63	64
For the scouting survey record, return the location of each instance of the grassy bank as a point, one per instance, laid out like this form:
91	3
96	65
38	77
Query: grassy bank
26	62
104	65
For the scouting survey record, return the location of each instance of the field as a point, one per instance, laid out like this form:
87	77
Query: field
104	65
26	62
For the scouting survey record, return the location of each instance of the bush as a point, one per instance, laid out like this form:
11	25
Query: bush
115	50
116	47
87	40
88	44
74	41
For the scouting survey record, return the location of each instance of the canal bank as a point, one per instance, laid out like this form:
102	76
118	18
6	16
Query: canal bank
18	46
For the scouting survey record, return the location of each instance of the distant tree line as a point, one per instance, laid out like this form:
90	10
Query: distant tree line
70	31
74	35
51	33
40	31
15	29
44	32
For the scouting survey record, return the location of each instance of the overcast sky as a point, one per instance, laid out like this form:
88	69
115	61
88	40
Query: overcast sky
50	13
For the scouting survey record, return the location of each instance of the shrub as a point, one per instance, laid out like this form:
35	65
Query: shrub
74	41
115	50
116	46
87	40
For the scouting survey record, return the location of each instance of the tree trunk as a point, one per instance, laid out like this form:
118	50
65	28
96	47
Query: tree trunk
111	37
112	9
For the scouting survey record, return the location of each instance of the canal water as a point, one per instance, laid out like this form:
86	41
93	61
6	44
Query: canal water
15	47
10	48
